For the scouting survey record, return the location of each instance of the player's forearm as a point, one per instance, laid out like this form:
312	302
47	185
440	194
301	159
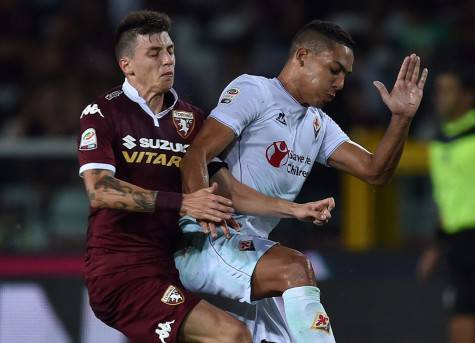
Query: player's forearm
106	191
247	200
389	150
194	170
257	204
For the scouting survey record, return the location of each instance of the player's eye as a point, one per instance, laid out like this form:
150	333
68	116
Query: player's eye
335	71
171	50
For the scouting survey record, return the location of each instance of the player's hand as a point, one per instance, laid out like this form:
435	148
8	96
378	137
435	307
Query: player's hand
210	227
406	95
427	262
205	205
317	212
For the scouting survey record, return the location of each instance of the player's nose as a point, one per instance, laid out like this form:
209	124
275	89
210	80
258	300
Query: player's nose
339	82
167	58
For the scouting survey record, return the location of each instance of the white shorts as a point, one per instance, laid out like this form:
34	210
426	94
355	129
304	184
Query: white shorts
222	269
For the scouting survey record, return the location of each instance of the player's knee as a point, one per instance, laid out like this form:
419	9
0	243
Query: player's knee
297	271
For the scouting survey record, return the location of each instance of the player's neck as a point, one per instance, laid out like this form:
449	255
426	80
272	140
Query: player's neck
288	82
153	99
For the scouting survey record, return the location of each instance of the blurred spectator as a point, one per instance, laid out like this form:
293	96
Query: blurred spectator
452	166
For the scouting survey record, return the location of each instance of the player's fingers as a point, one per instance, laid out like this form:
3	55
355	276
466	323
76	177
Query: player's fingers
221	200
331	203
423	79
318	222
222	208
212	230
415	73
204	226
225	229
234	224
218	214
402	72
411	66
213	188
382	90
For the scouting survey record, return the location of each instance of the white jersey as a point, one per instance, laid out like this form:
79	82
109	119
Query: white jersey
278	141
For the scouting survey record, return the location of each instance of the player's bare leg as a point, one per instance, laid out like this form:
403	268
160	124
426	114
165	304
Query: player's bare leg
462	329
208	324
287	272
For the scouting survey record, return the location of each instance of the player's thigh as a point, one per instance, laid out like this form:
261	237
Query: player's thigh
145	309
221	266
208	324
278	269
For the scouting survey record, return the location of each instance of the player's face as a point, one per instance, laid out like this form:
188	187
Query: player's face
153	62
447	94
323	74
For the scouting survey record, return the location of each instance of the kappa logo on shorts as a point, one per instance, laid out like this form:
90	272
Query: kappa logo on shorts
173	296
163	330
184	122
246	246
321	322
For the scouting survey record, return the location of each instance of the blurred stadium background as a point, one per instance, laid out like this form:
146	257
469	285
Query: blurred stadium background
56	56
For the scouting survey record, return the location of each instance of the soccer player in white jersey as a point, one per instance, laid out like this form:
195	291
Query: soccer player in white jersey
270	132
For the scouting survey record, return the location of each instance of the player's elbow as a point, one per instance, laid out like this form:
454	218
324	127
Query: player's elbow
377	178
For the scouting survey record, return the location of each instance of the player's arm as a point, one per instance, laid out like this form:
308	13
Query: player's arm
247	200
212	139
106	191
403	102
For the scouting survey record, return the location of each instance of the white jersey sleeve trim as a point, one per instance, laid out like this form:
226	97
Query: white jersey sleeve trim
235	130
89	166
334	147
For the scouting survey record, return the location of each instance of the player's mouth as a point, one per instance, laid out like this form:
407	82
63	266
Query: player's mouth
331	96
167	74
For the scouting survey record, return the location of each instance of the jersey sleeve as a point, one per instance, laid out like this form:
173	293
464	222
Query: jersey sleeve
333	138
240	103
95	149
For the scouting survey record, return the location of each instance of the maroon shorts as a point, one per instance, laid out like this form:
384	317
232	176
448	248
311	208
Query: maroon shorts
145	309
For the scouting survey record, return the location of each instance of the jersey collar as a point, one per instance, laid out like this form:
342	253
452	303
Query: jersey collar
133	95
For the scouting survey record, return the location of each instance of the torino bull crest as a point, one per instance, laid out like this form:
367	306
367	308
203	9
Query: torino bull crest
184	122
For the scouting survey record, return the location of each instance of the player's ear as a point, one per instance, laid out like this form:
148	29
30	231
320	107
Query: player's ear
126	66
300	55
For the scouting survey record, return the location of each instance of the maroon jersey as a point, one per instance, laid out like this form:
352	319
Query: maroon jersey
120	133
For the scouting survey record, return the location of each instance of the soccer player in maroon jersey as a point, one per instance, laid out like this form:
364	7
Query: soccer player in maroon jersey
132	140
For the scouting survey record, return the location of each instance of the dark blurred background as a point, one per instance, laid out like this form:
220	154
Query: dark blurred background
57	56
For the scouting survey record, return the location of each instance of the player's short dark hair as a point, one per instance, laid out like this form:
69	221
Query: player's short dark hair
319	35
138	23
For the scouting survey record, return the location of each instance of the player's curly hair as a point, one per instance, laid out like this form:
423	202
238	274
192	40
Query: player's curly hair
138	23
319	35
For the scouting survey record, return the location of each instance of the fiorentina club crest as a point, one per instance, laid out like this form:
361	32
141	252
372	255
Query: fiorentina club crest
321	322
316	126
246	246
184	122
173	296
